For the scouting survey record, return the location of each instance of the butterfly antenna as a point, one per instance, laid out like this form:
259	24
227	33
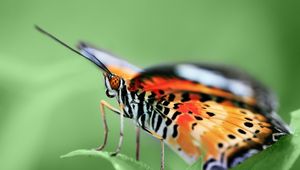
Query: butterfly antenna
92	57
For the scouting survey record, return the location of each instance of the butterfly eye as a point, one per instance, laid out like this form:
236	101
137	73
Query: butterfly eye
114	82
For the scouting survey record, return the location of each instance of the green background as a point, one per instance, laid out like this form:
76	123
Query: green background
49	97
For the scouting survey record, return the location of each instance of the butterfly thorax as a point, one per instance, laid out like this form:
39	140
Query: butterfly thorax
141	107
135	105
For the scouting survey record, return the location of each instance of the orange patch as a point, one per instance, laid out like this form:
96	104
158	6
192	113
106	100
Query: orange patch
123	72
183	120
175	84
189	106
185	141
227	103
194	97
208	142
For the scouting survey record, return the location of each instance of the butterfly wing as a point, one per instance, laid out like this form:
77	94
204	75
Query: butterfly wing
219	113
115	64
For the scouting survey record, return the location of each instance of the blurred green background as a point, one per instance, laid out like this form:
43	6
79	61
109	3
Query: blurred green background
49	97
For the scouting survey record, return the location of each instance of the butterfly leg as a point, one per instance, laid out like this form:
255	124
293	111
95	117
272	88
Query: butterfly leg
121	131
137	146
104	104
162	163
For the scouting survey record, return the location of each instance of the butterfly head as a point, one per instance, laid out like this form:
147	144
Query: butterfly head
113	83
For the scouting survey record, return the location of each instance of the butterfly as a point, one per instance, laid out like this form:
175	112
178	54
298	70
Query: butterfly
199	110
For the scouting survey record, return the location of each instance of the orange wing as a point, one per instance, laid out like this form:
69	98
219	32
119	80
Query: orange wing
199	117
226	134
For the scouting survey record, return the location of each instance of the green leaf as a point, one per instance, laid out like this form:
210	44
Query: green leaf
119	162
196	165
282	155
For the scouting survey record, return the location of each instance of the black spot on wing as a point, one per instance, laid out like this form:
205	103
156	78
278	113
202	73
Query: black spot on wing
185	97
247	118
211	114
198	118
248	124
205	97
219	99
230	136
176	105
241	131
193	125
171	97
174	116
165	103
161	92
